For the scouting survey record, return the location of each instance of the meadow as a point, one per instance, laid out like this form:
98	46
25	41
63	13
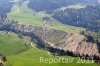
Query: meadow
15	49
28	16
18	54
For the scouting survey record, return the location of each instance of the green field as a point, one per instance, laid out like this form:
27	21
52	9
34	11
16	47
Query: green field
28	16
18	54
15	49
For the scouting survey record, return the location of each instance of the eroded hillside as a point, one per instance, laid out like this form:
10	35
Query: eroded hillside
54	39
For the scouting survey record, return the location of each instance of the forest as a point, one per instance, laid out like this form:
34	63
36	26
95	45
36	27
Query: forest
51	5
87	17
49	28
5	7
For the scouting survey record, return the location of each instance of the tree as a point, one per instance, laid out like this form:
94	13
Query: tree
84	17
46	18
51	5
1	64
90	38
5	7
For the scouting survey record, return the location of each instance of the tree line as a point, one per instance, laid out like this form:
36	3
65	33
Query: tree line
5	7
87	17
51	5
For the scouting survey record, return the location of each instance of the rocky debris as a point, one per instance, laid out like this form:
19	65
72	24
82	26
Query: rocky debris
55	38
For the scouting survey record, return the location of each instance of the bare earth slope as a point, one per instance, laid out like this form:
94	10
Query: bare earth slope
55	38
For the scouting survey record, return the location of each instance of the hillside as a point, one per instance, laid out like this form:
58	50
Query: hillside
47	37
5	7
22	55
52	29
86	16
28	16
50	5
18	50
28	56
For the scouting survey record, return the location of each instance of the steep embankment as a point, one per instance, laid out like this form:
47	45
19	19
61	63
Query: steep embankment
56	39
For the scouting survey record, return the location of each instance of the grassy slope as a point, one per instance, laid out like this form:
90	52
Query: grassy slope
26	16
7	42
18	55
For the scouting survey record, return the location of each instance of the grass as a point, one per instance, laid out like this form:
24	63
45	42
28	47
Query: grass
19	55
7	42
27	16
76	6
